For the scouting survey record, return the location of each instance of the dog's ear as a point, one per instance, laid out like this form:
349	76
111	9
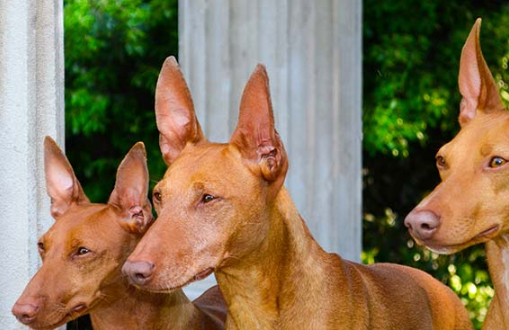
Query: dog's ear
476	83
255	134
131	188
175	116
62	185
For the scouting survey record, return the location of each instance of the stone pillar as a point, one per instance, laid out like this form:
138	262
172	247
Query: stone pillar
312	50
31	107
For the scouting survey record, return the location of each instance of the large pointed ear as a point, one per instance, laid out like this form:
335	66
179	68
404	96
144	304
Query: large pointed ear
476	83
175	117
62	185
255	134
131	189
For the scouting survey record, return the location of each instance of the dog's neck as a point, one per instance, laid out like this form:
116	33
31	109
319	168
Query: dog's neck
261	285
123	307
497	252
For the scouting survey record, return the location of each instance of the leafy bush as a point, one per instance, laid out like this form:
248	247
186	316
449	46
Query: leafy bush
114	50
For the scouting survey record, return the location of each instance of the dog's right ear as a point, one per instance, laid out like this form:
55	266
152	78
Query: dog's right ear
62	185
476	83
175	116
131	188
255	135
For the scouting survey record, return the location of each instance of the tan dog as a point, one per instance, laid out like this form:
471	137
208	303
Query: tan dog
225	206
470	206
83	253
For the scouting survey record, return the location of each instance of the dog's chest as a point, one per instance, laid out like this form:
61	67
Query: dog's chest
505	260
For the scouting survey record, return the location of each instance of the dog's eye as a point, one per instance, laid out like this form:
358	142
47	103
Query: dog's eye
157	196
207	198
82	251
497	162
441	162
40	246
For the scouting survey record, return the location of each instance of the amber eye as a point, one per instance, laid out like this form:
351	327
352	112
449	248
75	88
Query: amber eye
441	162
207	198
157	196
40	246
497	162
83	250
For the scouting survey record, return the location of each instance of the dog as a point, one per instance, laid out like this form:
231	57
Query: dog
223	208
469	206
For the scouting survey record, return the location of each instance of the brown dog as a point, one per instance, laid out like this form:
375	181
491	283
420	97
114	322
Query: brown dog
85	249
222	208
470	205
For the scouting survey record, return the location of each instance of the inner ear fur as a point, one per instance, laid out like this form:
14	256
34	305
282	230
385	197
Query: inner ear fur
175	116
476	83
255	135
62	186
131	190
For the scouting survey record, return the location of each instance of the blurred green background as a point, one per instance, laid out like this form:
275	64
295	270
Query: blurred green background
114	50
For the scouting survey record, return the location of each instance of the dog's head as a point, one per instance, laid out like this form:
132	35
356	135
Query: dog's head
470	205
84	249
213	201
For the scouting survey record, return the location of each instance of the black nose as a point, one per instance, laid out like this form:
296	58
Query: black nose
138	272
422	223
25	312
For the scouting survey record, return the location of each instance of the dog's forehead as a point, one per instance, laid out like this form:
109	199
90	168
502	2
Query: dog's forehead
219	170
76	219
483	133
207	160
489	123
85	213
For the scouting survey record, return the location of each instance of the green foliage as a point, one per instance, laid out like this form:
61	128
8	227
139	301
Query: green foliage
411	101
114	50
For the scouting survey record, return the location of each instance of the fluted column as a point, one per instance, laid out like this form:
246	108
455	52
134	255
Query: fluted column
31	106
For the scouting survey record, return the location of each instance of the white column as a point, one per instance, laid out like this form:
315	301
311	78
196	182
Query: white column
312	50
31	107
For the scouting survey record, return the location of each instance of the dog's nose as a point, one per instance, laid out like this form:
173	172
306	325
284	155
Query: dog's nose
138	272
25	312
422	223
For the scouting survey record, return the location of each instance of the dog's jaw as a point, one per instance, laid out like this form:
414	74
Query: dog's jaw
445	249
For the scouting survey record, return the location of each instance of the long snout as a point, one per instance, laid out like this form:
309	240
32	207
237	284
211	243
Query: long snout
29	307
422	224
26	309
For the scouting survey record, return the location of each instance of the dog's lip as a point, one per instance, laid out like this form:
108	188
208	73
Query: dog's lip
71	314
48	326
487	232
452	248
78	308
199	276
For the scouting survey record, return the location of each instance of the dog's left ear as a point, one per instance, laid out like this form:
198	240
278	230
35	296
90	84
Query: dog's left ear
255	134
476	83
62	186
175	116
131	189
